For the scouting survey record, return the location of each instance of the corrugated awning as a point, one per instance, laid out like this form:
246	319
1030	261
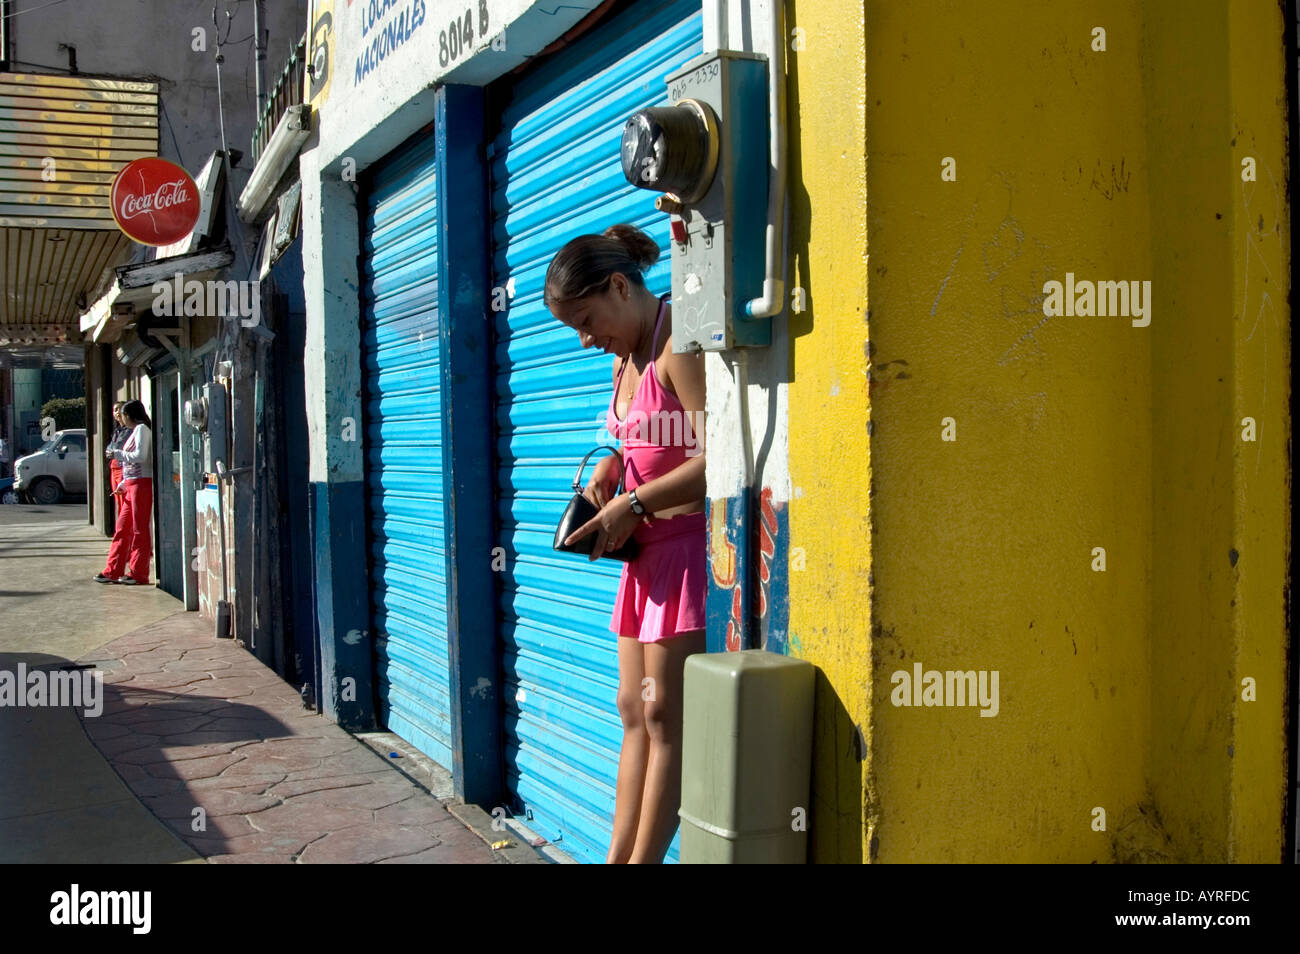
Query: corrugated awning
62	140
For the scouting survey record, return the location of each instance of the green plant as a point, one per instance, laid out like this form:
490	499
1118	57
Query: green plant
67	412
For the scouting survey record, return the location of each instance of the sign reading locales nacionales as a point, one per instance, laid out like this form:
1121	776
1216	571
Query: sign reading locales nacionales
373	36
386	25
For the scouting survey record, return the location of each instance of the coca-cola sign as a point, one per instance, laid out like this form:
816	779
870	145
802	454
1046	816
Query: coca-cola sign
155	202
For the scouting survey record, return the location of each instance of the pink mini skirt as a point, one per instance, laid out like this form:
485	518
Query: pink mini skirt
661	593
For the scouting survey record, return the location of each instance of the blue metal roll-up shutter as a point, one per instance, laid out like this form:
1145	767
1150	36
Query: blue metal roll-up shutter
556	175
403	436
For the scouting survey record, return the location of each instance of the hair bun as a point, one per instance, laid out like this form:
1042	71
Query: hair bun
641	248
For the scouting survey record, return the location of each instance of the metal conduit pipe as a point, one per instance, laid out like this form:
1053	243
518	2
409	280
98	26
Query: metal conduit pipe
746	572
769	304
773	296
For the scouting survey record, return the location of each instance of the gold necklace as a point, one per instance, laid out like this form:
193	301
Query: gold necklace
628	392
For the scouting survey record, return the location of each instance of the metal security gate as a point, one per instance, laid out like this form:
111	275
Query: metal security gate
403	439
555	175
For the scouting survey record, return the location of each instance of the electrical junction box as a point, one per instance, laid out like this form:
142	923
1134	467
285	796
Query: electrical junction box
747	739
215	431
708	151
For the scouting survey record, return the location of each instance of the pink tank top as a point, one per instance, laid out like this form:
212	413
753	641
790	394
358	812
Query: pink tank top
657	432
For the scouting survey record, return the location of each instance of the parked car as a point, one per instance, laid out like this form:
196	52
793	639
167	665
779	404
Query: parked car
57	468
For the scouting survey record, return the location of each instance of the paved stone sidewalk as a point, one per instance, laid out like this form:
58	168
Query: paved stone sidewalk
192	722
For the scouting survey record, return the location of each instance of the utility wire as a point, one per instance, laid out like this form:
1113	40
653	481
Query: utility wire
18	13
167	119
221	106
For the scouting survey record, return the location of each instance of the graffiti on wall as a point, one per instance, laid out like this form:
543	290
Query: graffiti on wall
771	595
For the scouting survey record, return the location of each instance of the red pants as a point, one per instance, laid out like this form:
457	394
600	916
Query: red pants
134	511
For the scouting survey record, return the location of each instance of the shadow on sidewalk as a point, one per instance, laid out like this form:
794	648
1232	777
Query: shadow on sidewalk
221	750
179	754
60	800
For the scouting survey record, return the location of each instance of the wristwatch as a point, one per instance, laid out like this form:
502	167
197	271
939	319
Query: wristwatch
637	507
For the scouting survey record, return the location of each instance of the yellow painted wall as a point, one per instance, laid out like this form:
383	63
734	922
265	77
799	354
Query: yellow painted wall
829	461
1118	690
1261	256
1193	384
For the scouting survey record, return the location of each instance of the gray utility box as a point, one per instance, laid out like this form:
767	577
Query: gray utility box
721	264
746	758
216	431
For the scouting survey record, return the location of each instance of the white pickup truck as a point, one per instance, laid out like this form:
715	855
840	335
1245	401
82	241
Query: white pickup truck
57	468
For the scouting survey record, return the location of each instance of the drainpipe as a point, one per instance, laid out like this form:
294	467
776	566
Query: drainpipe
746	577
770	303
259	57
720	18
773	296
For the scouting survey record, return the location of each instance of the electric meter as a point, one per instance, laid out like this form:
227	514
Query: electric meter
196	413
707	152
672	149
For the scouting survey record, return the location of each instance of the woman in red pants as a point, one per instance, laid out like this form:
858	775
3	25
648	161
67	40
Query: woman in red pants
128	557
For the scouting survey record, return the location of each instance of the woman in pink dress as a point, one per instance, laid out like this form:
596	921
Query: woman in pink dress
595	286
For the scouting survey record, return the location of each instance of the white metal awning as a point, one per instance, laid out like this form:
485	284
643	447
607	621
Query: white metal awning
132	289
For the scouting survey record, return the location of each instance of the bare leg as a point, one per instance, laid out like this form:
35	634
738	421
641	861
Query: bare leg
632	756
664	664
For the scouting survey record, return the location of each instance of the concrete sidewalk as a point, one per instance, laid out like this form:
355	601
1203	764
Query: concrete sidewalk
222	750
60	802
200	752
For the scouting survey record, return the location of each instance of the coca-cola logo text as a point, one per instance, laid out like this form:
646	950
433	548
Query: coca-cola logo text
164	197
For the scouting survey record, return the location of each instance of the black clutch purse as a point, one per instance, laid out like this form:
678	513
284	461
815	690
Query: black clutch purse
580	510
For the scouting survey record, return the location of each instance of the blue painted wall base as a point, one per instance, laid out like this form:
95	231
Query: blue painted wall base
342	606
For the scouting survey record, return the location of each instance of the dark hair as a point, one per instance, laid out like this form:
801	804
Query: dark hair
585	264
134	411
